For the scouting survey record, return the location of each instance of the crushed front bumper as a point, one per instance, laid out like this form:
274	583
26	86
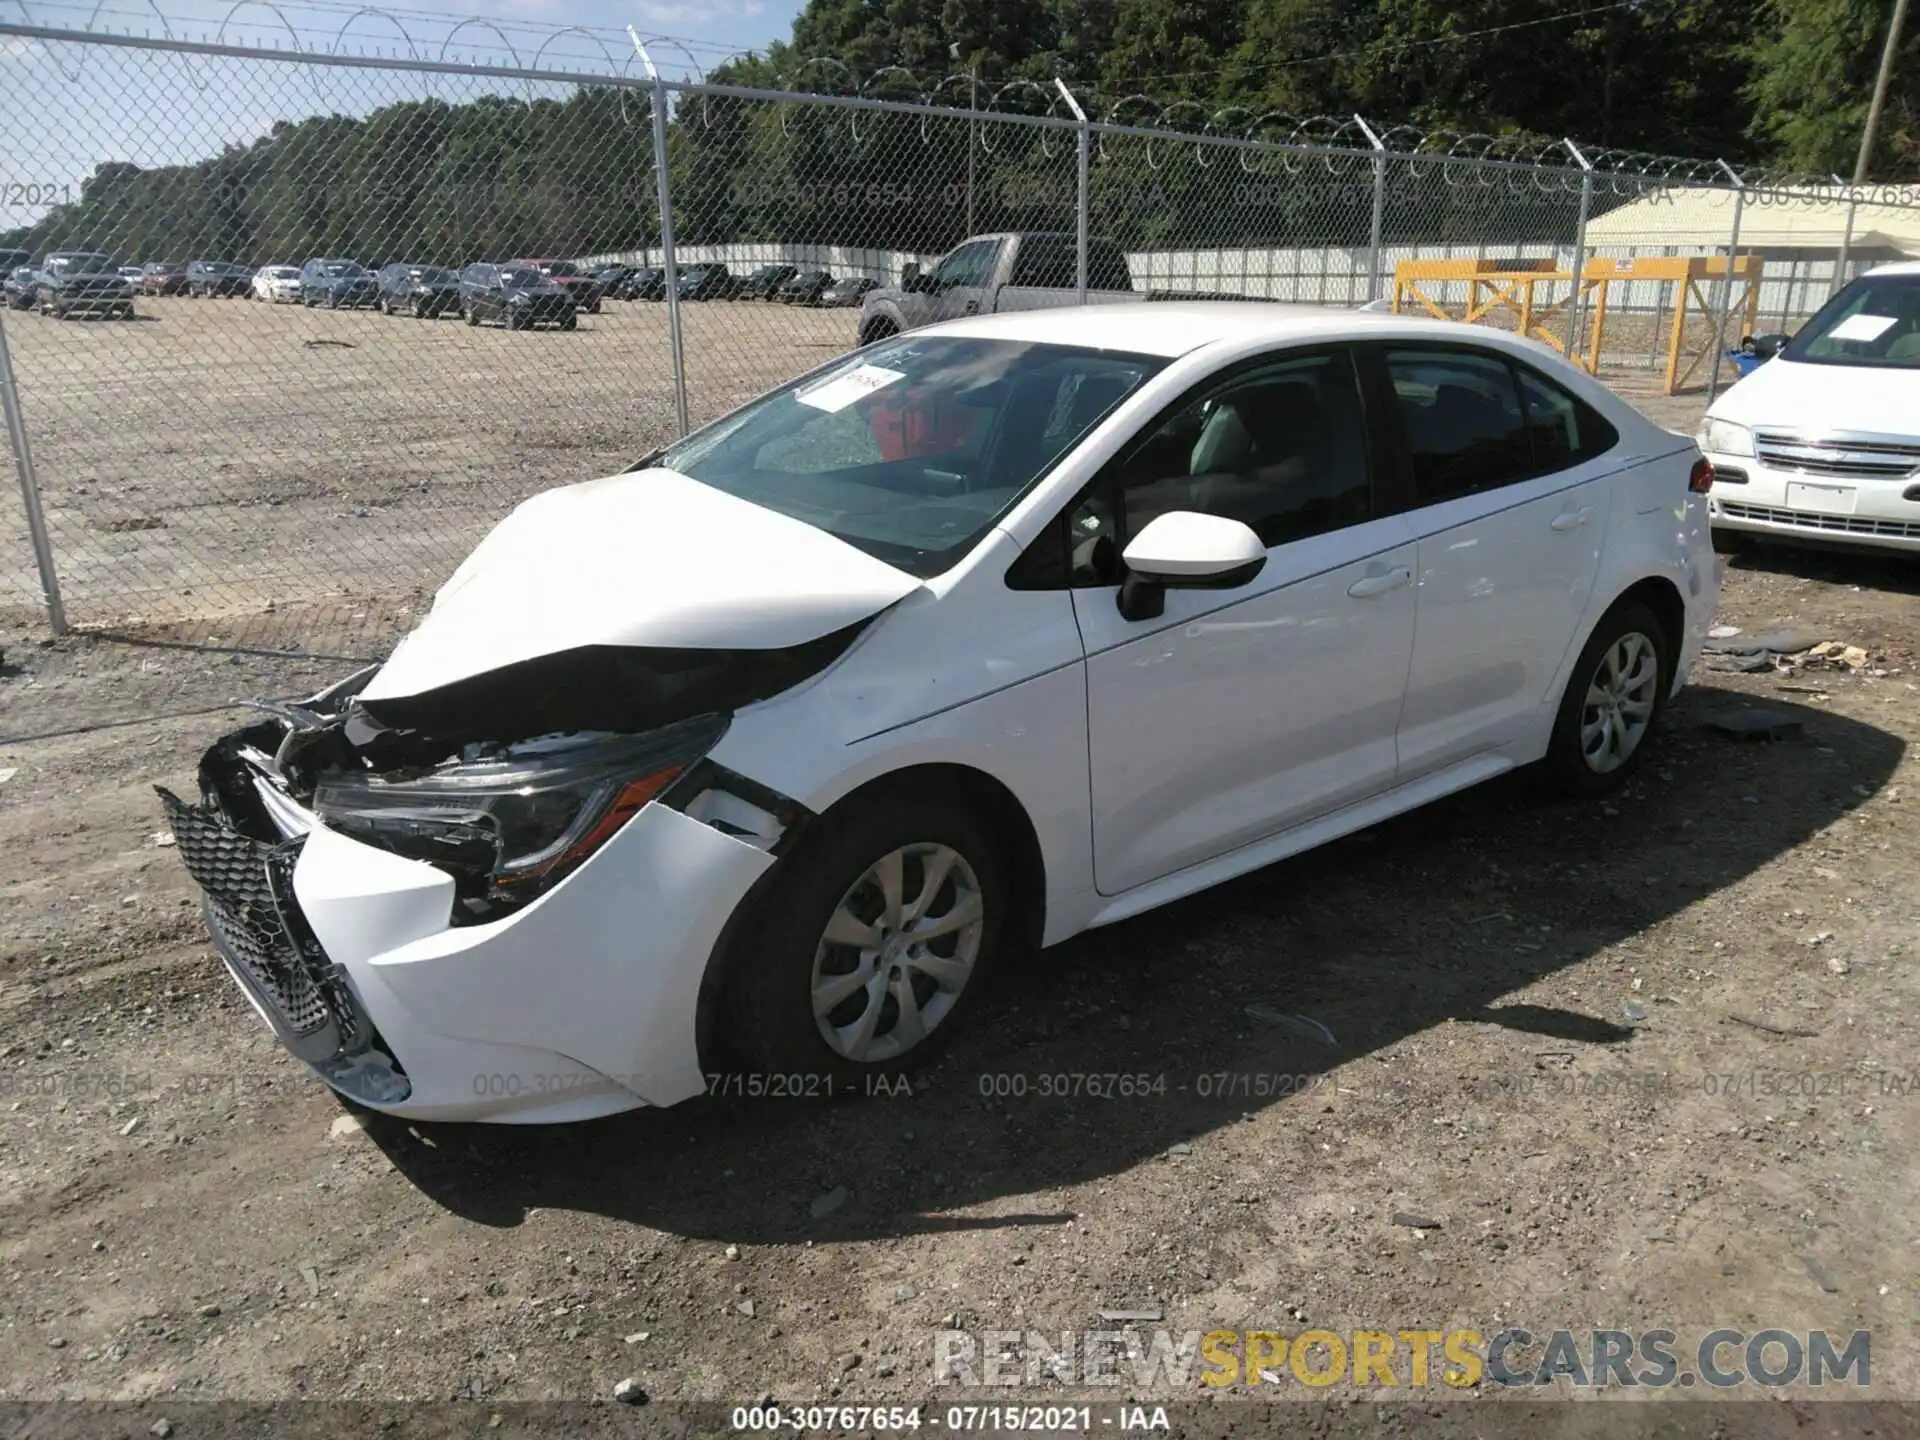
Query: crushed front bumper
581	1004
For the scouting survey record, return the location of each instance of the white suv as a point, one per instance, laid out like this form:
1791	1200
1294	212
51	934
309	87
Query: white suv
776	745
1822	442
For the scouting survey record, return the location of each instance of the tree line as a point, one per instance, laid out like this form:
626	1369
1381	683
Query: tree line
497	176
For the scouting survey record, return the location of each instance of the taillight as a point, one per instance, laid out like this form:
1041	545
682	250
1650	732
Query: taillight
1700	479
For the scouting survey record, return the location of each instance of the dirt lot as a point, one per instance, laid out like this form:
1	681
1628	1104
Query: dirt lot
1643	1065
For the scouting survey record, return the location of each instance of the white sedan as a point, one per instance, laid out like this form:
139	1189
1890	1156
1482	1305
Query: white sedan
1821	443
277	284
765	753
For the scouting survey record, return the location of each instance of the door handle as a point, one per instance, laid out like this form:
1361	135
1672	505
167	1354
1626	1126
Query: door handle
1572	519
1371	587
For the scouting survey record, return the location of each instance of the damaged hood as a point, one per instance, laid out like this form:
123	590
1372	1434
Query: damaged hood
650	560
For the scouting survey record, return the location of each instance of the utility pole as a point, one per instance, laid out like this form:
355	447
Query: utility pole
1880	84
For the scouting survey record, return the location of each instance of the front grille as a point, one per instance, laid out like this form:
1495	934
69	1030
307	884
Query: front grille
243	880
1811	520
1849	459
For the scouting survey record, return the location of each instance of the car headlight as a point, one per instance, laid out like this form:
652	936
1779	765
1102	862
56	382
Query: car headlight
1723	437
510	822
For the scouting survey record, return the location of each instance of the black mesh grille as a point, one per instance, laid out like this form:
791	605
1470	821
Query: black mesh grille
244	881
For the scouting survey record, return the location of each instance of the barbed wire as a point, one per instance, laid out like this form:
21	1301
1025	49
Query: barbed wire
1260	141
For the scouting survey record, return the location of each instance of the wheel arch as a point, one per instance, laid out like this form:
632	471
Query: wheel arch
984	793
1660	595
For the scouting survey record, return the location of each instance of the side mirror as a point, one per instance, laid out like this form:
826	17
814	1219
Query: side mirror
1767	346
1186	550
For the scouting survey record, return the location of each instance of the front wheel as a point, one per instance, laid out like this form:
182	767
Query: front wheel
866	954
1613	702
570	322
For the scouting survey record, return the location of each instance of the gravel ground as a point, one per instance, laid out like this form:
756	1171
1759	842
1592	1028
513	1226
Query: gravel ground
1641	1065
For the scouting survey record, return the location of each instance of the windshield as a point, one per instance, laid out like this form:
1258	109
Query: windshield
341	269
914	449
282	272
560	267
519	278
433	275
79	264
1874	321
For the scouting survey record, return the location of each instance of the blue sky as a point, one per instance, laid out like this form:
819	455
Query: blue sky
64	108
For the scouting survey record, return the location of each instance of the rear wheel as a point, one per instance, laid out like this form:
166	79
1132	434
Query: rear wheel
1613	702
868	952
569	322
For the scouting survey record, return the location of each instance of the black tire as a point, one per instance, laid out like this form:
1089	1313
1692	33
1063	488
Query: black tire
333	300
570	322
768	1023
515	321
471	315
1566	764
878	330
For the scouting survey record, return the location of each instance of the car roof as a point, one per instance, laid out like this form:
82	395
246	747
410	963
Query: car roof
1177	327
1903	267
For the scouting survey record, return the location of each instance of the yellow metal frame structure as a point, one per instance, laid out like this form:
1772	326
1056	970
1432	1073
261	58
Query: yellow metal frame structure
1688	272
1510	285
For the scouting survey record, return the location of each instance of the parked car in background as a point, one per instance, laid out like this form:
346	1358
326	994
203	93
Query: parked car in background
778	744
1018	270
706	282
612	280
277	284
422	291
22	287
805	287
516	296
338	285
583	287
12	260
131	274
82	282
1821	442
647	282
765	283
211	279
163	277
847	292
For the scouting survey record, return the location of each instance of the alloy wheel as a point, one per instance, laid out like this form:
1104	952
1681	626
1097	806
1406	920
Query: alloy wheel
1619	703
898	951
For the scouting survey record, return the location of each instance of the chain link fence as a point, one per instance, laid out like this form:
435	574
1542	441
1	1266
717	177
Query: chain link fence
326	393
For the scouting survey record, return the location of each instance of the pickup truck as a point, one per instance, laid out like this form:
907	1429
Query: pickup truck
1020	270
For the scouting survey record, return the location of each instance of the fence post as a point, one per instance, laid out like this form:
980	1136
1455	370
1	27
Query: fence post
30	489
1576	303
1082	202
1846	243
1379	208
663	188
1726	283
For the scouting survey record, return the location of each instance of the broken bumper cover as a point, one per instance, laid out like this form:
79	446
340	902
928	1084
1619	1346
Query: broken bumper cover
581	1004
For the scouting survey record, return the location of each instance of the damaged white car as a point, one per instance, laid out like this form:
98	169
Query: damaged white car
765	754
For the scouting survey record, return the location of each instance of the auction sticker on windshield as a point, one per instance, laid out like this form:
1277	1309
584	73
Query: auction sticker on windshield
1861	327
843	390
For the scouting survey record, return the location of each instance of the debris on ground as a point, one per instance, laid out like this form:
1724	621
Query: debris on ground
1142	1316
1790	1032
1723	632
628	1392
1820	1276
1757	723
1302	1025
1415	1222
